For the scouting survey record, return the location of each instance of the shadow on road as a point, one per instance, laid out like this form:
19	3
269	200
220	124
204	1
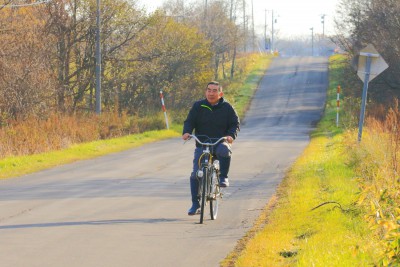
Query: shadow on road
100	222
108	187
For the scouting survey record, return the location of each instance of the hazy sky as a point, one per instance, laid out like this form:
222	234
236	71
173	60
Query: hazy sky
293	17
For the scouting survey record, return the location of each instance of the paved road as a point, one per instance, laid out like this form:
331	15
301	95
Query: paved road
129	208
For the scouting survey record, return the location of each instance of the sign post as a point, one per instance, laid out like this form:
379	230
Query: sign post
370	65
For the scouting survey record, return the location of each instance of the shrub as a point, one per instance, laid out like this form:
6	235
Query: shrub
376	160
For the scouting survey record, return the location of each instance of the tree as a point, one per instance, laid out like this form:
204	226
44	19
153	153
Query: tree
72	25
166	55
26	84
51	50
376	22
217	24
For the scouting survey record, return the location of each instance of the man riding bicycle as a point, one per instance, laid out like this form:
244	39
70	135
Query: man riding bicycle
213	117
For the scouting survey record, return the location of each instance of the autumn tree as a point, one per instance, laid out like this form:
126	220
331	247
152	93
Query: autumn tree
165	56
72	23
47	59
217	22
360	22
26	84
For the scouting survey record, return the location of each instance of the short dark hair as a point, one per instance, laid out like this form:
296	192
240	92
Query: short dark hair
215	83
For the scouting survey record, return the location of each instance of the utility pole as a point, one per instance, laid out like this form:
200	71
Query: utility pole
233	18
98	60
273	21
272	32
244	25
205	11
312	41
231	11
265	30
252	26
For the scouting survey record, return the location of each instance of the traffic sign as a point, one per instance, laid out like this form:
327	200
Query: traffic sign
378	64
370	65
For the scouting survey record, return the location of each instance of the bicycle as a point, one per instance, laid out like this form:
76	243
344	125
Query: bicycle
208	176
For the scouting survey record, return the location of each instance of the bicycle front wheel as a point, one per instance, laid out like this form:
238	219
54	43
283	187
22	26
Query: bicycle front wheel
214	194
203	193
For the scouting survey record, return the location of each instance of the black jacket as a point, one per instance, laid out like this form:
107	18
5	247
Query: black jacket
214	121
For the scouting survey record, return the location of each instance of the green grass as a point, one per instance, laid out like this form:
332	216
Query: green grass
328	124
290	232
16	166
296	235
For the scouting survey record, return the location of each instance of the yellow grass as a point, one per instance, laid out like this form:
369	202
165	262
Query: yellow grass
296	235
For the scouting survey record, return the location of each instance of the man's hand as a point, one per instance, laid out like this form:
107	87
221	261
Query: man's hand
186	136
229	139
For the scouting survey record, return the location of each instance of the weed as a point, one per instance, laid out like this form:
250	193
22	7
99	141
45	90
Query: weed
376	161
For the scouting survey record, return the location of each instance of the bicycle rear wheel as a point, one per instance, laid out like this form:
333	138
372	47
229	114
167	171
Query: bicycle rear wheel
203	193
214	194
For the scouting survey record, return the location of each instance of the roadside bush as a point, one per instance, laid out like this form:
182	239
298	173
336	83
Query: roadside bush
376	160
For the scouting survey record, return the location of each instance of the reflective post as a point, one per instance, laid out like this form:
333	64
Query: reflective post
337	105
164	109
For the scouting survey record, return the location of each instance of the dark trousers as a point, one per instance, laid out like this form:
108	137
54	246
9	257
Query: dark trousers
223	153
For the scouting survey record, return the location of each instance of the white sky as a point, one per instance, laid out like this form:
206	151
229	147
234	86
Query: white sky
294	17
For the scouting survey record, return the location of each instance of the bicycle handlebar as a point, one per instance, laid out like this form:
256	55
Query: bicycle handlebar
207	144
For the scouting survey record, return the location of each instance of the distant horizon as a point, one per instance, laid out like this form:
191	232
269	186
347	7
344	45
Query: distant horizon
293	19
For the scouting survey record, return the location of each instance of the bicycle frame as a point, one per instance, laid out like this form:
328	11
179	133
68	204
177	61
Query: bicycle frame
208	173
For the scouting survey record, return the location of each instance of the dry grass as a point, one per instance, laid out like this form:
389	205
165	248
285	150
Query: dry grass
376	161
58	131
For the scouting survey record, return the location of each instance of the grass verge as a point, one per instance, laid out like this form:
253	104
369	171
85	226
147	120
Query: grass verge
16	166
314	220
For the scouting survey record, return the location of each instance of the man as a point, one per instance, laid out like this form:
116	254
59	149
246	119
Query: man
215	118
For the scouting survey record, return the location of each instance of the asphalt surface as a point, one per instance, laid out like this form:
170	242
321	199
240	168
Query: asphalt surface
130	208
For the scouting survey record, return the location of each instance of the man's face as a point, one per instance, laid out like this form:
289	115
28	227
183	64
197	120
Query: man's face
213	94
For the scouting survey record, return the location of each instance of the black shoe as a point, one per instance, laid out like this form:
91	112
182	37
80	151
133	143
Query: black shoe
193	210
223	182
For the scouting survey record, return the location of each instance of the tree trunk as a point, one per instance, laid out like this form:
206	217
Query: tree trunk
216	67
223	66
233	62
